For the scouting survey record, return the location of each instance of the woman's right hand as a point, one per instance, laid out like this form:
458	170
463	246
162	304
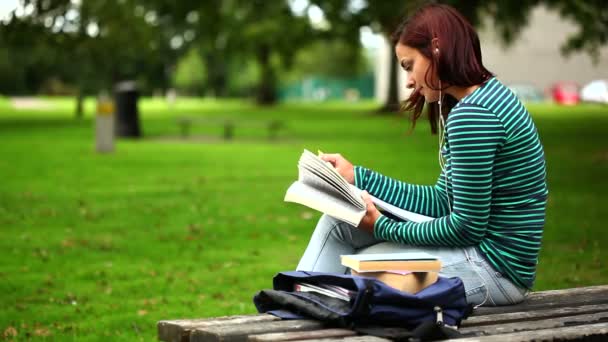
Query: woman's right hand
343	166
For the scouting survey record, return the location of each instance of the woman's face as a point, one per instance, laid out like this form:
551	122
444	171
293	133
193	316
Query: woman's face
416	66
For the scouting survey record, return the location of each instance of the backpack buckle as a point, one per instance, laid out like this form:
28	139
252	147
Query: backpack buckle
439	313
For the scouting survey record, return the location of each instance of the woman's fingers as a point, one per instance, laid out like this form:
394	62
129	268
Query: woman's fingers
368	200
331	157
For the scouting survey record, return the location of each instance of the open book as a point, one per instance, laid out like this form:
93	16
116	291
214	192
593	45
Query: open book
321	187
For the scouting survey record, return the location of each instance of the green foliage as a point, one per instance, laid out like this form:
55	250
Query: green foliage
347	61
90	44
592	17
244	75
101	247
190	74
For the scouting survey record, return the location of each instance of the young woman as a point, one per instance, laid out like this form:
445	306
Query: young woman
490	198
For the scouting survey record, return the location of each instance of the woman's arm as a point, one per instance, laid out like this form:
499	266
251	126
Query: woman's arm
475	135
425	200
422	199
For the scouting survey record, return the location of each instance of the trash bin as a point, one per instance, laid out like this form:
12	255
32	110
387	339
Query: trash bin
127	116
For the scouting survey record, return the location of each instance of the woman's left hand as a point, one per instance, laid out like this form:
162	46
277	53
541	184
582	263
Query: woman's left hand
372	214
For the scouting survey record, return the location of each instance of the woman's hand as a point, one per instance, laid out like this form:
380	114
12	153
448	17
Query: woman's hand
371	216
343	166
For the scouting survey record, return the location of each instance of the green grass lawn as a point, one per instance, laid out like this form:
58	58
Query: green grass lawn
101	247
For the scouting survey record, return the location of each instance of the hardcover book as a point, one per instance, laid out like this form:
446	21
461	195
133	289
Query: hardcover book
407	261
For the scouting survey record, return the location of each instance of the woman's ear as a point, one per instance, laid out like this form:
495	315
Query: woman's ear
435	45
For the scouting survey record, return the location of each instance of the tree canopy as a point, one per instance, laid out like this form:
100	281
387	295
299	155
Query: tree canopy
83	46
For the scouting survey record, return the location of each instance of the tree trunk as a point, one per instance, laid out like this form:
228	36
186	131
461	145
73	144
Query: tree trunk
79	113
216	68
266	92
392	100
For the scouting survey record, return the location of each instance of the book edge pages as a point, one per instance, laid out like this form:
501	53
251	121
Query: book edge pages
400	213
337	181
398	256
308	196
384	265
414	266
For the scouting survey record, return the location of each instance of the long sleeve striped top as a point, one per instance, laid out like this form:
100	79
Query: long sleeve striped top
494	181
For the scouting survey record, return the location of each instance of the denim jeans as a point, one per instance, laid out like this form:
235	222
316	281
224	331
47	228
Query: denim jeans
483	284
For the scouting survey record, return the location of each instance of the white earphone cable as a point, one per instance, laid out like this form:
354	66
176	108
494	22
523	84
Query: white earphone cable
441	132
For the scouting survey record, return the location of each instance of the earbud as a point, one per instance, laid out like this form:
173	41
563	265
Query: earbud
436	50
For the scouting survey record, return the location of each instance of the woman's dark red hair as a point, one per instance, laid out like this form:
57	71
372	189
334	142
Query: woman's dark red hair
458	63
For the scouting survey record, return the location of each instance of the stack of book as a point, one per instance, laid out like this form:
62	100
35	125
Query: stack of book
408	272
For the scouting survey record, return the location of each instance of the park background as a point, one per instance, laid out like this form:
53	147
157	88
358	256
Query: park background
101	246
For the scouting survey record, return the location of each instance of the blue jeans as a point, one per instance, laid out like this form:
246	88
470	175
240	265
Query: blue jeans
483	284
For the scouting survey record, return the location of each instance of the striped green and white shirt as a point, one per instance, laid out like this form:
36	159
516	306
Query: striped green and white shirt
496	186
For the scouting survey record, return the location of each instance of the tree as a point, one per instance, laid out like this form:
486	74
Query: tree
509	17
94	43
329	57
592	18
381	16
277	32
235	30
190	73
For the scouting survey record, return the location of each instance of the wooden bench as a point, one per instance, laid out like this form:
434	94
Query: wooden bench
578	314
228	125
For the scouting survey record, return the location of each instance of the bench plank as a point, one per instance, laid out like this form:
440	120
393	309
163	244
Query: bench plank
235	333
302	335
553	299
533	315
551	323
591	332
229	124
178	330
558	314
349	339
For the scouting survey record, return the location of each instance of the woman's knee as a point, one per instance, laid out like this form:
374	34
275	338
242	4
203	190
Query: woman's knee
329	225
343	232
328	221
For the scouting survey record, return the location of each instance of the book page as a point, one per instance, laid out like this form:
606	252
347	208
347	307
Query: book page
327	172
332	205
311	179
323	182
400	213
322	168
325	167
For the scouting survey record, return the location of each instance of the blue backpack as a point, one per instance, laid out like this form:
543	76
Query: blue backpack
373	306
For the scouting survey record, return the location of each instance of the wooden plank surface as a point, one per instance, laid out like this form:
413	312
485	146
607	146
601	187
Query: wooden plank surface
533	315
179	330
350	339
240	332
302	335
553	299
551	323
591	332
572	311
